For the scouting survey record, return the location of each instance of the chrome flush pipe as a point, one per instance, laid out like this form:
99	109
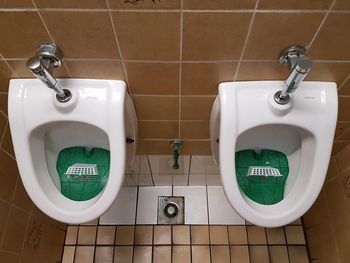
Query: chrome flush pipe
300	65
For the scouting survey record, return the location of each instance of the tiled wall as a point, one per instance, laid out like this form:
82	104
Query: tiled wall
327	224
26	234
173	53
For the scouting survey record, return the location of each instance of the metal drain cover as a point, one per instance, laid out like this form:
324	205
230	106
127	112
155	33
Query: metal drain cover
170	210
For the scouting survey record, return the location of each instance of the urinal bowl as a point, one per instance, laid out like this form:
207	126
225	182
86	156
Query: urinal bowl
102	116
304	133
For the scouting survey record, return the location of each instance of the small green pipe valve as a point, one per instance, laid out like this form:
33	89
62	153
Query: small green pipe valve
175	146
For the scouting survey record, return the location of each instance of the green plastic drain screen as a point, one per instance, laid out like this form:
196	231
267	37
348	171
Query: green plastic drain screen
83	172
262	176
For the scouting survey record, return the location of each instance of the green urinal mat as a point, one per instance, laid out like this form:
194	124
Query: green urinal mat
262	175
83	172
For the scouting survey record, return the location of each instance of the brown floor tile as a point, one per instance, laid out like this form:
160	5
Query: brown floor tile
143	235
259	254
142	254
105	235
220	254
200	235
295	235
87	235
181	235
256	235
181	254
218	235
237	235
278	254
123	254
125	235
84	254
162	254
162	235
275	236
239	254
68	254
91	223
71	235
298	254
103	254
200	254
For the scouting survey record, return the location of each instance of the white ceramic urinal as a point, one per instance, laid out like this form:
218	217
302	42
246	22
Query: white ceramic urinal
99	115
245	116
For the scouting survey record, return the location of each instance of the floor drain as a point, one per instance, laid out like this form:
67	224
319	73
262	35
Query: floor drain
170	210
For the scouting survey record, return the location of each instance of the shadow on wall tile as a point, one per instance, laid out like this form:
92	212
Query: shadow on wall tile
148	35
8	176
336	72
5	75
71	4
294	4
82	34
7	142
223	4
331	42
204	32
278	38
24	31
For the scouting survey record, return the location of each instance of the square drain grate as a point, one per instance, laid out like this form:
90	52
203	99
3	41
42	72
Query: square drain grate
171	210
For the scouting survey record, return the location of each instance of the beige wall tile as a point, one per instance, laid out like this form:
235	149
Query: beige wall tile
237	235
16	4
196	108
5	75
278	254
8	176
256	235
103	254
143	235
158	129
204	78
259	254
153	78
142	254
195	130
331	42
298	254
200	235
262	71
71	4
181	254
294	4
15	230
162	235
162	254
82	34
132	4
148	35
181	235
96	69
219	4
87	235
200	254
218	235
239	254
84	254
260	46
211	36
156	107
24	32
125	235
105	235
123	254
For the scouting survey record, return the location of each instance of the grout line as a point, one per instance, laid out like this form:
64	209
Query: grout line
246	40
3	135
119	48
344	82
321	25
9	66
305	238
42	20
267	245
180	70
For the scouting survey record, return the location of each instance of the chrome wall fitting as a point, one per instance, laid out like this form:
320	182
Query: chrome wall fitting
294	57
48	57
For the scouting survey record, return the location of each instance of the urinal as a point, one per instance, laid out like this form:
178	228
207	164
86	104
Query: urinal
100	115
246	116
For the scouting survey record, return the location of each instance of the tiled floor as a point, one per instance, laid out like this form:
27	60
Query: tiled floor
213	232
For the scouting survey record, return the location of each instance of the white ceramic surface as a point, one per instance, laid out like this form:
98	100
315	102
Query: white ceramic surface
245	116
100	114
